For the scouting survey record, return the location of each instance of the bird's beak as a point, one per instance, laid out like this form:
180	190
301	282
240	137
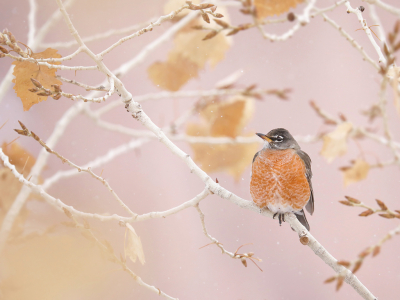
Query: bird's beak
264	137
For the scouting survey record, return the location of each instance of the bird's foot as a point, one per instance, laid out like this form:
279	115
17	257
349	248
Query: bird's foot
281	218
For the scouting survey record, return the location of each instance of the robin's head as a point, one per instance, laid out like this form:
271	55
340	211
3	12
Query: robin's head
280	139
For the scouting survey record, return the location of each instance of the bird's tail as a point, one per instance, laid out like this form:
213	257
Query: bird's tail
302	219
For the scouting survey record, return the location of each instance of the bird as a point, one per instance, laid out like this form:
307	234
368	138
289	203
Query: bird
281	177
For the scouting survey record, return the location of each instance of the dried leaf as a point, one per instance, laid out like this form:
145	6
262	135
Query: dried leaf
191	46
381	204
357	266
339	283
10	185
357	172
344	263
387	216
330	279
221	23
210	35
24	71
366	213
19	157
174	73
189	55
225	119
376	251
266	8
353	200
348	203
133	247
335	143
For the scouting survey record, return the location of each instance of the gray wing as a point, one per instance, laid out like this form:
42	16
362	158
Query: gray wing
307	161
302	219
254	158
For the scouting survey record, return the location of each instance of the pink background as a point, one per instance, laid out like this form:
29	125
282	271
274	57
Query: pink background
316	63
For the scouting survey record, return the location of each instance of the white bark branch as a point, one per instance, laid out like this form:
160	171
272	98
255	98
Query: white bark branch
364	25
385	6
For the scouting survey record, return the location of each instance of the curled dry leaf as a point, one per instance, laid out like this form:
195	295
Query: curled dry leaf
381	204
358	171
348	203
330	279
266	8
24	71
343	263
366	213
225	119
339	282
357	266
387	216
133	247
376	251
353	200
335	142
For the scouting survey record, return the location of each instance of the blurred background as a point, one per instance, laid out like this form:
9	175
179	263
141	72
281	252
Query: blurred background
51	261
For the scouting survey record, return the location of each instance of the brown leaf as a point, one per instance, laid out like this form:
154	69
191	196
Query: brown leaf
353	200
133	247
387	216
335	143
24	71
381	204
210	35
366	213
174	73
339	283
376	251
225	119
357	266
221	23
357	172
205	17
330	279
343	263
266	8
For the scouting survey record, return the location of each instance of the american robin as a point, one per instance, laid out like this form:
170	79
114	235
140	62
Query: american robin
281	177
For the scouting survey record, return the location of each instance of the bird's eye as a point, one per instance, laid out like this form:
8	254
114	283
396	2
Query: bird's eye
279	138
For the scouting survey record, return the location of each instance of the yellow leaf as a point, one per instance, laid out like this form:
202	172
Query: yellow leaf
189	55
191	46
19	157
357	172
219	120
133	248
10	185
172	74
266	8
54	266
335	142
24	71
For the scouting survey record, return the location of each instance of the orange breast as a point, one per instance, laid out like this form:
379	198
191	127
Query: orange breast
279	180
